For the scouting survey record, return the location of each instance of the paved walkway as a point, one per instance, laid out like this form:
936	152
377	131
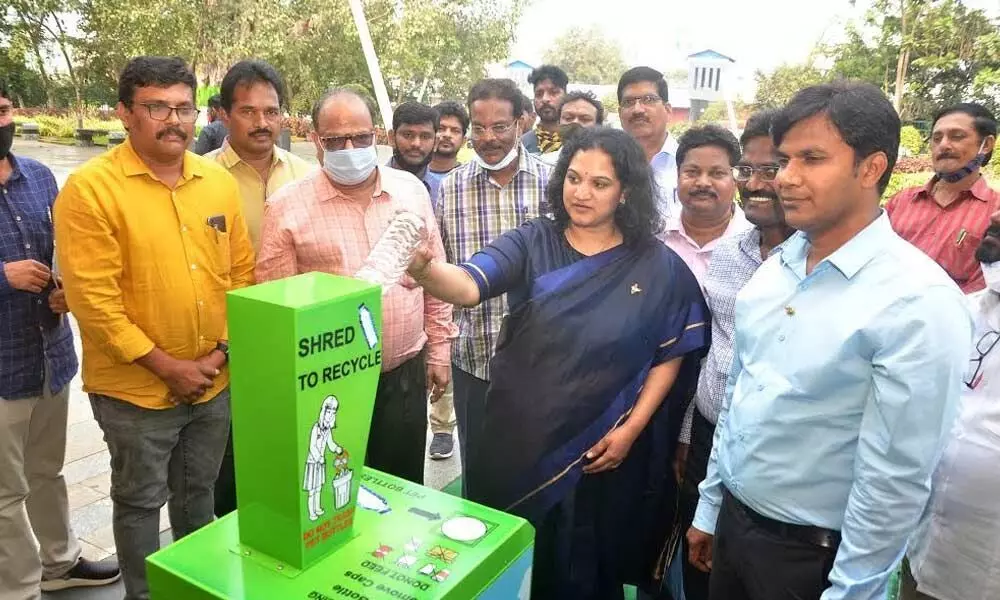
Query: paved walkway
87	469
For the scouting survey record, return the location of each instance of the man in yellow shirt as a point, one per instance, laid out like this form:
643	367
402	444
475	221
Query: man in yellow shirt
252	97
149	239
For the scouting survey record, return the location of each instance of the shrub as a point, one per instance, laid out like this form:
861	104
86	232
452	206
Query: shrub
679	128
901	181
911	140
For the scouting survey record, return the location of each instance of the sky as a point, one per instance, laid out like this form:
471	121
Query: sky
661	33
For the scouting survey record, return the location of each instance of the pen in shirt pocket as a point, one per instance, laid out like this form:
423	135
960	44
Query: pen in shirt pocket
961	236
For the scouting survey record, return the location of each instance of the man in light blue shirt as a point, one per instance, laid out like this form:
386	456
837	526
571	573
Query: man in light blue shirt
644	108
849	354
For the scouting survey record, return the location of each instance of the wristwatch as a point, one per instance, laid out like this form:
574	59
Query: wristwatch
223	347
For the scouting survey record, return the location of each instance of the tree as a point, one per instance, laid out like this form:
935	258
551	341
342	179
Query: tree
587	56
43	24
923	53
775	89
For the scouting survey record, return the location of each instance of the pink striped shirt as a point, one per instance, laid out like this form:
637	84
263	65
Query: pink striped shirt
949	234
310	226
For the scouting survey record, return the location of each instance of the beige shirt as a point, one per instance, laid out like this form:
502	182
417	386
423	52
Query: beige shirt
285	168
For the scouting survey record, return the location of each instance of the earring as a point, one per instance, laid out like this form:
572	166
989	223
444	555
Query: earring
622	201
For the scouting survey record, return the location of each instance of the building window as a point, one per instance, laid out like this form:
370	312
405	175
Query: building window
718	76
702	84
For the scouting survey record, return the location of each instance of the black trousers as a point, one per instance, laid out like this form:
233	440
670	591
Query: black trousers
750	562
470	413
398	435
702	433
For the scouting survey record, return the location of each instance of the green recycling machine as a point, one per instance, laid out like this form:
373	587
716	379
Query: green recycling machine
313	522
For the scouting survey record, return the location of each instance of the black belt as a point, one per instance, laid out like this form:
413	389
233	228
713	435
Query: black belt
816	536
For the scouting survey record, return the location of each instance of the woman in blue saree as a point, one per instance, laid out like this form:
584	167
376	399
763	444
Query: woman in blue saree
605	323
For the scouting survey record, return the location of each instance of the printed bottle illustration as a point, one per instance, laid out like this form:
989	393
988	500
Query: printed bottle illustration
321	440
368	326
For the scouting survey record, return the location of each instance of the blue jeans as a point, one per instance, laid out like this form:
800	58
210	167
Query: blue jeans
159	457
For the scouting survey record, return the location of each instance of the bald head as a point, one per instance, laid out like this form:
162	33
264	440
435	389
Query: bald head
338	102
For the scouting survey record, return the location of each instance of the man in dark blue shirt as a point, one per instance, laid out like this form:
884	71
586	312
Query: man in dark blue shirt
37	362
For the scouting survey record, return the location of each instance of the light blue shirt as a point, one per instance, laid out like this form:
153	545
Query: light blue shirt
664	165
844	384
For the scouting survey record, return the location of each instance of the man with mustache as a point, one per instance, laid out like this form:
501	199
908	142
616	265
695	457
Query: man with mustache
149	239
253	96
707	192
214	133
251	102
577	110
505	186
644	108
413	137
453	125
329	222
549	82
945	217
954	554
734	261
849	350
38	549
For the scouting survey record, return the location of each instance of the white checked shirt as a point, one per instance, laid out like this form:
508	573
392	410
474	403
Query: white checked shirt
734	261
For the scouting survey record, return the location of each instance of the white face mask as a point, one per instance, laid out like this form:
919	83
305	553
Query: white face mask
350	166
991	273
504	162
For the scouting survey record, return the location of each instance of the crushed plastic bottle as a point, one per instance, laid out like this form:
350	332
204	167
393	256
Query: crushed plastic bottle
393	252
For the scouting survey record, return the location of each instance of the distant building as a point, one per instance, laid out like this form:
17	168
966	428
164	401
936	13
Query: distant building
518	71
709	74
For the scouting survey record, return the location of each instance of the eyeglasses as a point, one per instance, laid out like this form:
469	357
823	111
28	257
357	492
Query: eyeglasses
983	347
498	130
339	142
746	172
161	112
647	100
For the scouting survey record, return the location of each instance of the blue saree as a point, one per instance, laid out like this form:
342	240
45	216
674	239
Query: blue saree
582	335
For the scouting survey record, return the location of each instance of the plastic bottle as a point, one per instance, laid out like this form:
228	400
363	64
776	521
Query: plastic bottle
393	252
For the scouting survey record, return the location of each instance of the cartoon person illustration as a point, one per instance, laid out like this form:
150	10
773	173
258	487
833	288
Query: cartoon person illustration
320	440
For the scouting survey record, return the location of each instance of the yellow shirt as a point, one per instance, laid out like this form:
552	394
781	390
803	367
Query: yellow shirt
144	268
285	168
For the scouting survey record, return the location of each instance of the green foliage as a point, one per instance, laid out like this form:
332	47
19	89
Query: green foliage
776	88
204	93
679	128
587	56
65	127
435	47
610	103
901	181
911	139
930	53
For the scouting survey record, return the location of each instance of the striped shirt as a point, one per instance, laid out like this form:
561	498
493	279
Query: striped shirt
474	211
948	234
734	261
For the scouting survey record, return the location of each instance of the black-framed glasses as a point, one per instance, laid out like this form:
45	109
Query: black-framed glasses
333	143
647	100
161	112
983	347
765	172
498	130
